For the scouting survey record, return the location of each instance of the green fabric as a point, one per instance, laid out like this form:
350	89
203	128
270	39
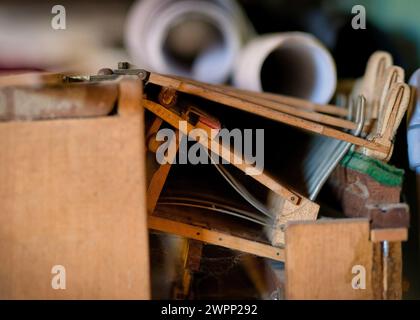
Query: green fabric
379	171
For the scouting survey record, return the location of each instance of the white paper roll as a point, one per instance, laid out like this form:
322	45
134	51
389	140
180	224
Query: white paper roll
291	63
195	38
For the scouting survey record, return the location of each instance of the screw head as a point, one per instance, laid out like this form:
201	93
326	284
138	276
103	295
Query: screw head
105	71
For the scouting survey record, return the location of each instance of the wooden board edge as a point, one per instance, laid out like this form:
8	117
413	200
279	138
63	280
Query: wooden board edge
216	238
389	234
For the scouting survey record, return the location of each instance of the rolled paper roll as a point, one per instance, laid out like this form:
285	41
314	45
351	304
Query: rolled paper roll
413	132
199	39
291	63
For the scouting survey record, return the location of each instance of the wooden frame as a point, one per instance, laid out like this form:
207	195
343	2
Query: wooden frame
266	109
73	195
285	204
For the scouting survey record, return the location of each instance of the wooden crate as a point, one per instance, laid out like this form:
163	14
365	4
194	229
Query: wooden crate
72	194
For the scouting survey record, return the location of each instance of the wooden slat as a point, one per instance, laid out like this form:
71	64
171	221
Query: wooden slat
291	101
393	273
273	97
31	79
241	104
320	257
158	179
283	107
280	104
76	100
389	234
216	238
174	120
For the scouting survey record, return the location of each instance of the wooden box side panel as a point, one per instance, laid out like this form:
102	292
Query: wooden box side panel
320	257
72	193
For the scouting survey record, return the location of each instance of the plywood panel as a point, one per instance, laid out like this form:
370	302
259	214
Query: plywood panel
320	257
72	193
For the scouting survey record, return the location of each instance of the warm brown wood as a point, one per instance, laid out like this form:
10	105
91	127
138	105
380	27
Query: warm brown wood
215	237
360	196
394	272
73	194
213	221
377	271
389	234
192	252
168	97
76	100
174	120
154	127
182	290
388	270
283	107
393	215
156	185
291	101
158	180
31	79
320	256
284	212
241	104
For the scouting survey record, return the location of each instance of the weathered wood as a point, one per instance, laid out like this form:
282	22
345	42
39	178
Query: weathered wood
222	151
394	272
391	215
321	255
76	100
159	177
284	212
288	206
389	234
73	194
193	88
291	101
192	252
156	185
31	79
283	107
371	189
215	237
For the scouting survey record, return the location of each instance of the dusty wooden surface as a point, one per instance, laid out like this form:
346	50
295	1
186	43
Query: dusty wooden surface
73	194
320	257
76	100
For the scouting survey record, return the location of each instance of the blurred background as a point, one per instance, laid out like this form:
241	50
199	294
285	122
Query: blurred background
96	31
204	39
